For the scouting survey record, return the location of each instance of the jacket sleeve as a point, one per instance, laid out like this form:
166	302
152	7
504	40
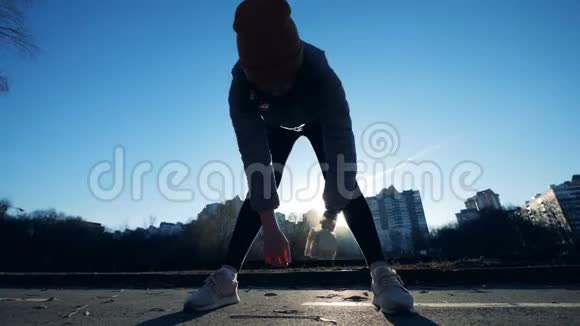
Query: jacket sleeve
253	146
339	145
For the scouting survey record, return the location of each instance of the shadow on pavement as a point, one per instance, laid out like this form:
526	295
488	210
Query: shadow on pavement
180	317
410	320
175	318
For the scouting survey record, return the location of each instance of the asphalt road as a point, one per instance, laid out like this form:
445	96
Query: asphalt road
481	305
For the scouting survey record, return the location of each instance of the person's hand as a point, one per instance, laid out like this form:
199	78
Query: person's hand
276	246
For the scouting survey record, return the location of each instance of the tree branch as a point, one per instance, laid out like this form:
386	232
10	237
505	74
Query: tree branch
13	32
3	84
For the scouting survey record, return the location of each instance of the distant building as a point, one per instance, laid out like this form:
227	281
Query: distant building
486	199
170	228
400	220
559	207
466	215
93	225
237	203
280	218
471	203
311	218
294	218
212	209
568	195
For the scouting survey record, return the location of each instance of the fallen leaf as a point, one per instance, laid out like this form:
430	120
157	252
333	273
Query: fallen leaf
157	310
327	320
29	299
366	294
355	298
328	296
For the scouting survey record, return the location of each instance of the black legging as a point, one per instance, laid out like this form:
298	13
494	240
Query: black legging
357	213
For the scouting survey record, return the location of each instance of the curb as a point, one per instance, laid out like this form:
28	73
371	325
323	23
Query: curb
293	279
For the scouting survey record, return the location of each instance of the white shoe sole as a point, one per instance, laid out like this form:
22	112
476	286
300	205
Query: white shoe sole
220	303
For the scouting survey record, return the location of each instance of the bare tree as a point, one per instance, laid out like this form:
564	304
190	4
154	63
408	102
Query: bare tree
152	220
5	205
13	32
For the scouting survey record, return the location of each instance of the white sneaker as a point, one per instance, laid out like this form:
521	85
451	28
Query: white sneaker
220	289
390	294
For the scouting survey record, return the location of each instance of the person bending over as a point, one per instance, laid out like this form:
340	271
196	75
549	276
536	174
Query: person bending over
283	88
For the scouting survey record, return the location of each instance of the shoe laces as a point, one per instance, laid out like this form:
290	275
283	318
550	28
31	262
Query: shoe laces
212	282
390	278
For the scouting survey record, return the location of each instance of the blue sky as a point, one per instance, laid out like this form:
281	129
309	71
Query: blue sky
494	82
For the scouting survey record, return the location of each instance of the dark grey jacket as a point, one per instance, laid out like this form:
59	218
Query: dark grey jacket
317	95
